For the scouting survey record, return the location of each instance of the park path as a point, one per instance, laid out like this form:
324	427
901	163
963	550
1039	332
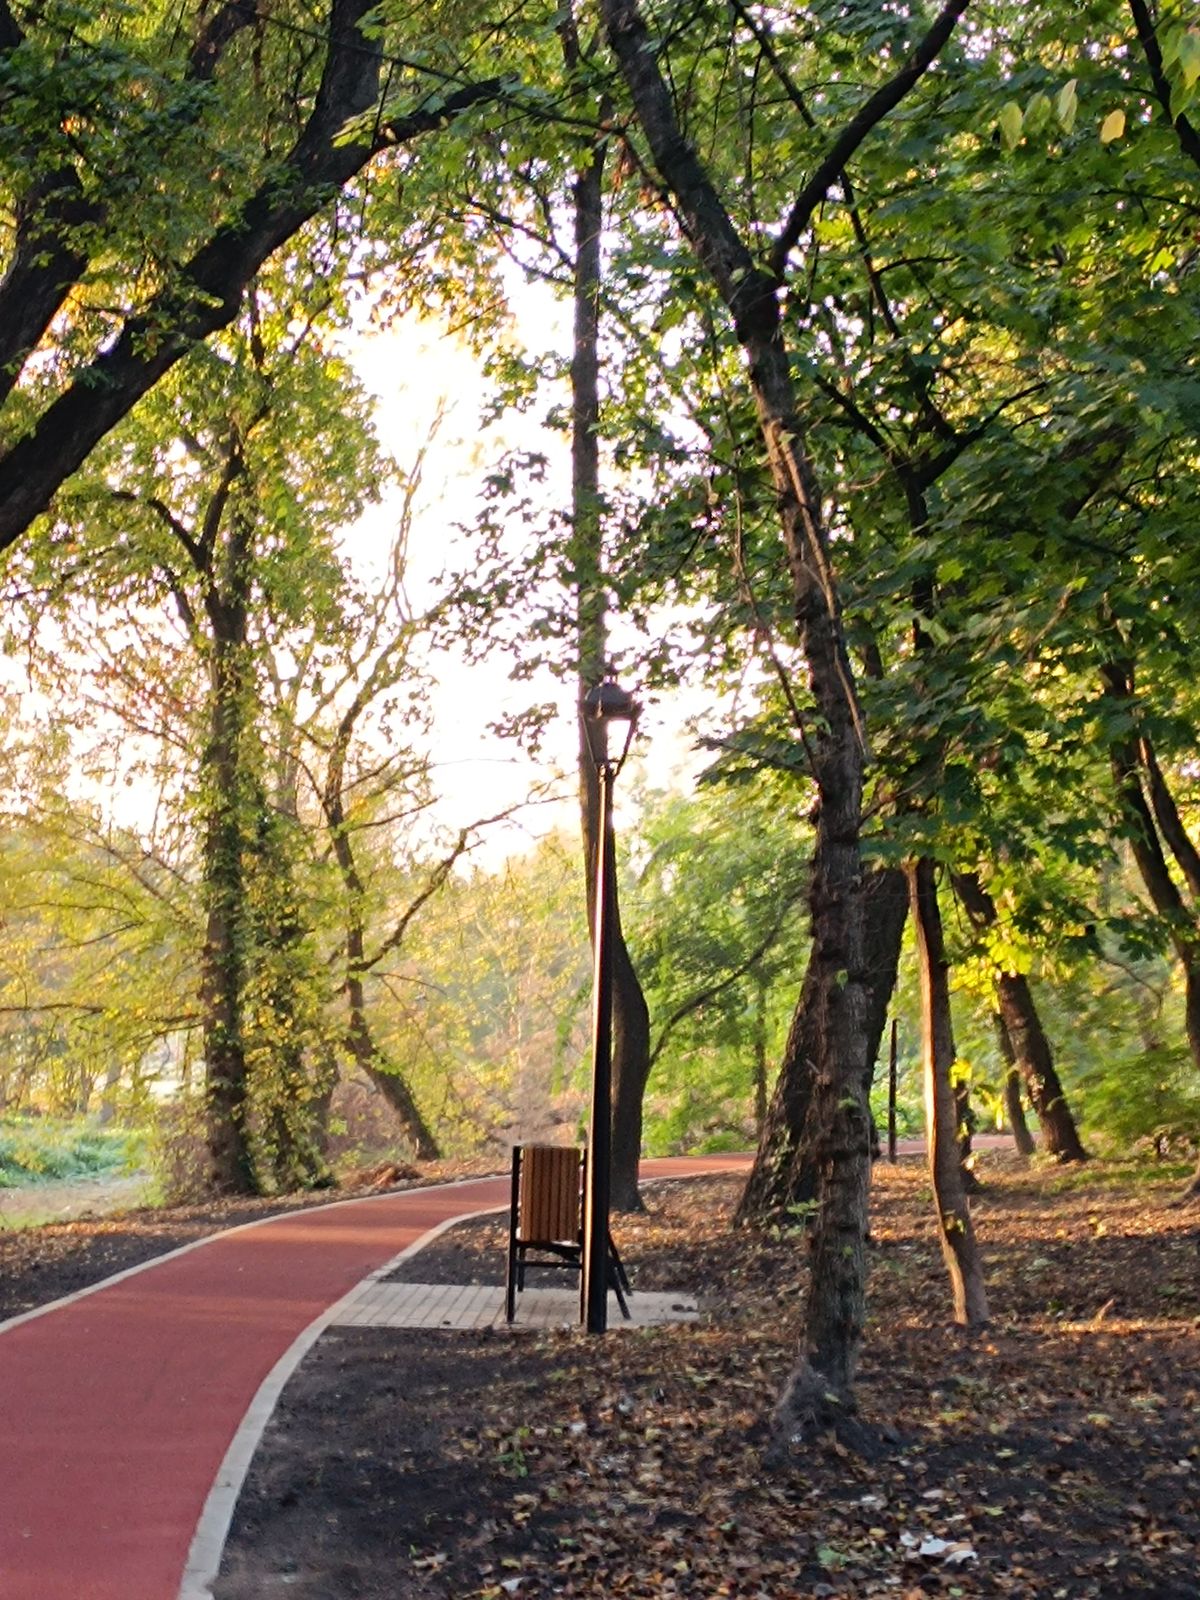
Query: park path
117	1406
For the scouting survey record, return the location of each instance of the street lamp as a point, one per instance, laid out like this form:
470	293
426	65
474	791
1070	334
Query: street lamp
601	708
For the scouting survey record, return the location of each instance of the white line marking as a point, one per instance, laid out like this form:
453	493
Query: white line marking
259	1222
212	1530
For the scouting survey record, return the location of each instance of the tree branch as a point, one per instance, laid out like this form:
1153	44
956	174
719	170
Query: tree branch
869	116
208	292
1189	139
703	996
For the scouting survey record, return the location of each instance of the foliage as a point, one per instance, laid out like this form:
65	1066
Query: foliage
40	1149
713	907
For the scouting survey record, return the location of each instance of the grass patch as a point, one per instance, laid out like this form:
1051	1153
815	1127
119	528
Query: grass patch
1108	1174
47	1149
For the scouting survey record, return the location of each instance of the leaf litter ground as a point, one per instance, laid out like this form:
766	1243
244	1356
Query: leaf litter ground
1058	1455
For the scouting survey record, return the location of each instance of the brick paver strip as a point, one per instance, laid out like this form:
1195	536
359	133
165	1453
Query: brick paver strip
117	1406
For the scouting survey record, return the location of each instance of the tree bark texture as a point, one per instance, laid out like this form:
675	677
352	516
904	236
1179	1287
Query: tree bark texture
959	1248
1021	1026
785	1172
630	1016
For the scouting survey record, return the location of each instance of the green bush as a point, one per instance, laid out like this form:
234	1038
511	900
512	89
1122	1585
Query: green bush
1148	1100
42	1149
177	1152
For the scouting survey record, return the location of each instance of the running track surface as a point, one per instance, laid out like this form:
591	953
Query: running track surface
117	1408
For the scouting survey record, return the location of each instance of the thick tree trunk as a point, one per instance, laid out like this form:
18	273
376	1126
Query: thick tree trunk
1026	1037
631	1072
959	1249
1013	1104
630	1018
283	1012
784	1172
222	964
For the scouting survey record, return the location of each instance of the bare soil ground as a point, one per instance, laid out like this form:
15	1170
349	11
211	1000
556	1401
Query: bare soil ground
34	1204
1057	1456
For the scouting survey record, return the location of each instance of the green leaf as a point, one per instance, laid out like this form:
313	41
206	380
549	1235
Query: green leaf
1037	114
1067	105
1011	122
1189	57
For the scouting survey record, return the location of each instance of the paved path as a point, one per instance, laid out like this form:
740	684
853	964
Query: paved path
117	1406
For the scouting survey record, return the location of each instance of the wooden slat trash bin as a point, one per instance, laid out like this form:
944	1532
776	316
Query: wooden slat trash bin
545	1224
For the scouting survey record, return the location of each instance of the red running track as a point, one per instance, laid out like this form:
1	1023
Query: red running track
117	1407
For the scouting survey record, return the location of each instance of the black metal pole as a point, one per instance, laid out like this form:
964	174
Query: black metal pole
595	1217
893	1067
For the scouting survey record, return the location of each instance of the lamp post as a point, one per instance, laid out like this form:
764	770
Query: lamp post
601	708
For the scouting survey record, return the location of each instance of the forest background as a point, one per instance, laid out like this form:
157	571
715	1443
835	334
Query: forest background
874	433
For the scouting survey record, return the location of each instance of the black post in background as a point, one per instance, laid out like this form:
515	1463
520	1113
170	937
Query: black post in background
893	1054
595	1217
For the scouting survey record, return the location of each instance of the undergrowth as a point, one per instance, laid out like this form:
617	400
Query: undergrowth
43	1149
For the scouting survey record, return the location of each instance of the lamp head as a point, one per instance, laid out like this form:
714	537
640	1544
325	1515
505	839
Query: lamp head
600	708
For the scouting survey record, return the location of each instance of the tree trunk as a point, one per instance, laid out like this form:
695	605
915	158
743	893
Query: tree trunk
283	1012
222	964
760	1057
964	1119
819	1392
784	1172
1013	1104
1126	754
1022	1027
1035	1061
959	1249
630	1019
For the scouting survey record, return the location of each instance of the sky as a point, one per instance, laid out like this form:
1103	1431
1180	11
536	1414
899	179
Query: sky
412	368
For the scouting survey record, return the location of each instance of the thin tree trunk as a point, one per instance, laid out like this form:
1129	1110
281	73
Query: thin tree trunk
820	1389
1013	1104
1170	823
964	1119
1148	854
784	1172
630	1017
1035	1060
1026	1036
760	1056
959	1249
